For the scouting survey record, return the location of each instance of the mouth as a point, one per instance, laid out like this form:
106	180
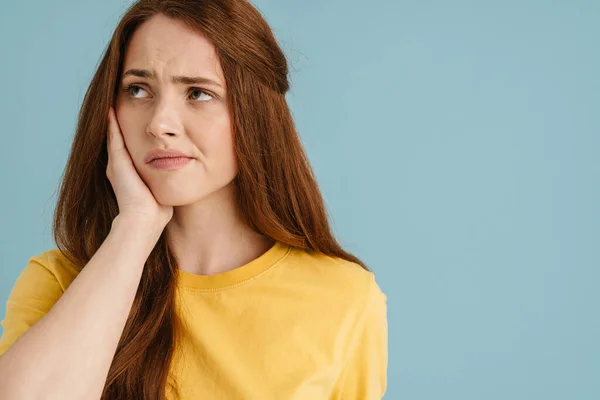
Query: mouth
167	158
169	163
159	153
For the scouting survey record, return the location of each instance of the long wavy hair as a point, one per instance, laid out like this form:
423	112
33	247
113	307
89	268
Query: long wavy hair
276	188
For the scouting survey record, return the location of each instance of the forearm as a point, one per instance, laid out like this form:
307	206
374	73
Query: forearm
68	353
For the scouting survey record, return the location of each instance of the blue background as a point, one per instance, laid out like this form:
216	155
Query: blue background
456	144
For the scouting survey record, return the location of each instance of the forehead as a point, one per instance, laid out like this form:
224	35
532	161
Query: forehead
171	48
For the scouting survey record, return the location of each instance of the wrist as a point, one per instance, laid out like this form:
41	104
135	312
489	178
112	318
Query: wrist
133	226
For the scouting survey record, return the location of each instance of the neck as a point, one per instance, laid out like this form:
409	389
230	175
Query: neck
210	237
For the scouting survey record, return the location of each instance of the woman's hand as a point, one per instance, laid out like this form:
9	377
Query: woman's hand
134	198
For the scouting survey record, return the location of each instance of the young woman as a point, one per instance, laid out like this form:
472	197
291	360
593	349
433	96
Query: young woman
194	257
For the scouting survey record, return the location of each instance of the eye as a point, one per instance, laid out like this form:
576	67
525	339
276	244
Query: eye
202	92
129	90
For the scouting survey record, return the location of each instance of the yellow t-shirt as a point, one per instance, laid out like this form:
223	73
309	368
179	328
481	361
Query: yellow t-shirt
291	324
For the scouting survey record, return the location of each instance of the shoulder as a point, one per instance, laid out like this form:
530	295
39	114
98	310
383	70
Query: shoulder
342	281
51	263
37	288
329	268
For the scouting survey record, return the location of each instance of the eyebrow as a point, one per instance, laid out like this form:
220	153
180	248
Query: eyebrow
184	80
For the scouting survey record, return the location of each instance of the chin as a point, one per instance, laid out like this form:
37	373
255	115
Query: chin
170	198
177	195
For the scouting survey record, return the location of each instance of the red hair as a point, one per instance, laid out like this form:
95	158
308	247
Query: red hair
276	189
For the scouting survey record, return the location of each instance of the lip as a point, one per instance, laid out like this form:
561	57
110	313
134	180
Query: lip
169	163
159	153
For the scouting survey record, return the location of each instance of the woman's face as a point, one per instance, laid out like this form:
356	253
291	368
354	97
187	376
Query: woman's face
158	112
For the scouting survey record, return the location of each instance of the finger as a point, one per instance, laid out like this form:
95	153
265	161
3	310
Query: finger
114	132
108	130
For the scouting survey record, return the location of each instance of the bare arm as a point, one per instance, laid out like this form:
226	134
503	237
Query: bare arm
68	353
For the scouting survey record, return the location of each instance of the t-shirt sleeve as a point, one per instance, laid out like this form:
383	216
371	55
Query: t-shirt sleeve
364	376
34	293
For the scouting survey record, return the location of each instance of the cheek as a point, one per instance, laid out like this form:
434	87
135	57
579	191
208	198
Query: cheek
217	144
227	150
131	133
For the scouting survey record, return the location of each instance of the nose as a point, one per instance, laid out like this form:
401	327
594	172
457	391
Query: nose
164	121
